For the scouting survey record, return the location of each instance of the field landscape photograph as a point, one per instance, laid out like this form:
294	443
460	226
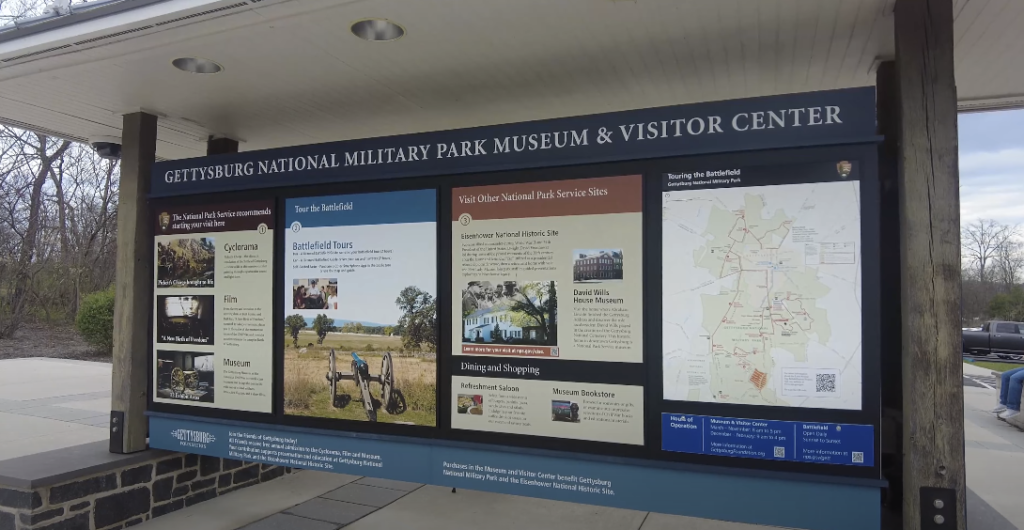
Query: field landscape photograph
411	342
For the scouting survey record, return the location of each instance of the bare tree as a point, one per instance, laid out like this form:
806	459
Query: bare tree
1009	260
57	227
980	242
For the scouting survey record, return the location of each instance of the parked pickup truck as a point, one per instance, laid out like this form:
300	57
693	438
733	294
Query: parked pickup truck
1002	339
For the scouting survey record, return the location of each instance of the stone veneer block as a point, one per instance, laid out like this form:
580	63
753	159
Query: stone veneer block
77	522
82	488
246	474
230	464
36	518
168	466
137	475
120	506
203	484
202	496
209	465
162	489
187	476
18	499
169	507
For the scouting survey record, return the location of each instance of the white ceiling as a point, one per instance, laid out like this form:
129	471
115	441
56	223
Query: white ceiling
294	74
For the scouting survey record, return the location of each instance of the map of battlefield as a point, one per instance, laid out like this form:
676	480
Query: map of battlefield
762	295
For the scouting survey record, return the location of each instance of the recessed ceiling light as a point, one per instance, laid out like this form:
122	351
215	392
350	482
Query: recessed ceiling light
196	65
377	30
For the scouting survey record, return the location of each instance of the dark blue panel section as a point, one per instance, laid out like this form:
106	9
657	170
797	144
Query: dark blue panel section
786	503
793	441
791	120
355	456
417	206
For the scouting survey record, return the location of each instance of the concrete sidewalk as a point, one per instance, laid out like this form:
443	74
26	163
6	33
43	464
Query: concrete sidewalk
994	452
48	404
311	500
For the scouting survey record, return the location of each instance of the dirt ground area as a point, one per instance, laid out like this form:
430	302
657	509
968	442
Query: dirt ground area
46	341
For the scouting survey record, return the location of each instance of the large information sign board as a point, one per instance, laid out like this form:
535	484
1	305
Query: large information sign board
762	285
361	282
547	314
212	325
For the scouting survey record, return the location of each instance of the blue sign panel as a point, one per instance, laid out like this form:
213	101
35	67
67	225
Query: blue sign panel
620	483
828	117
792	441
393	207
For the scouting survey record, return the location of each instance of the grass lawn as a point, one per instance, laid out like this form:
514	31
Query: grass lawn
997	366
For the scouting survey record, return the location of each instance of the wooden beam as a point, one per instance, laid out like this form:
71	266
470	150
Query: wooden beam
221	146
933	417
134	283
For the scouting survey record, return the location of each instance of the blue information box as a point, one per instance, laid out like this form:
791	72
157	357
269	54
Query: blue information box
792	441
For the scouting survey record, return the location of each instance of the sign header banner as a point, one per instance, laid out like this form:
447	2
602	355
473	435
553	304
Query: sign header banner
773	122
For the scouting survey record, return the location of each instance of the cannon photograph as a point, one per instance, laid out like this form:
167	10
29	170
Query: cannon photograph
185	376
390	398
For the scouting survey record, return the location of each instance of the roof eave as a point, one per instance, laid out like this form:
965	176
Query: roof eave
15	32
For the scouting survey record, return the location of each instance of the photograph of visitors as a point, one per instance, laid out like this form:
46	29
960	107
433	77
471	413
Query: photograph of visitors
595	265
185	319
186	262
315	293
510	312
185	376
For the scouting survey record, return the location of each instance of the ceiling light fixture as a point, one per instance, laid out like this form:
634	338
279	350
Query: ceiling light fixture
195	65
377	30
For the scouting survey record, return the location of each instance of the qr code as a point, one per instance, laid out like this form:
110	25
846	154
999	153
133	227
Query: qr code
780	452
858	458
825	383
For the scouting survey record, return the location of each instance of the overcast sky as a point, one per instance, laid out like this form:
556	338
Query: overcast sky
992	166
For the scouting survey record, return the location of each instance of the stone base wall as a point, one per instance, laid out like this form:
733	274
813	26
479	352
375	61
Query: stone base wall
125	497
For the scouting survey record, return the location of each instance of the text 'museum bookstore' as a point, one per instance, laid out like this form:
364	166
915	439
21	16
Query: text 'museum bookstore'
670	309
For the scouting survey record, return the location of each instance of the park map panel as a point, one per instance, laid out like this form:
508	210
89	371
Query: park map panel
762	286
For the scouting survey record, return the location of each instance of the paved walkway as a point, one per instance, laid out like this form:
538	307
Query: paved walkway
994	451
48	404
311	500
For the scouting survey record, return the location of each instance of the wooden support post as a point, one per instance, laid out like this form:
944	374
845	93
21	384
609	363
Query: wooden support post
933	417
134	283
221	146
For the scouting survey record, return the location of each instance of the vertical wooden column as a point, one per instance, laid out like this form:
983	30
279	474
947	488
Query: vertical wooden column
221	146
933	426
134	283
